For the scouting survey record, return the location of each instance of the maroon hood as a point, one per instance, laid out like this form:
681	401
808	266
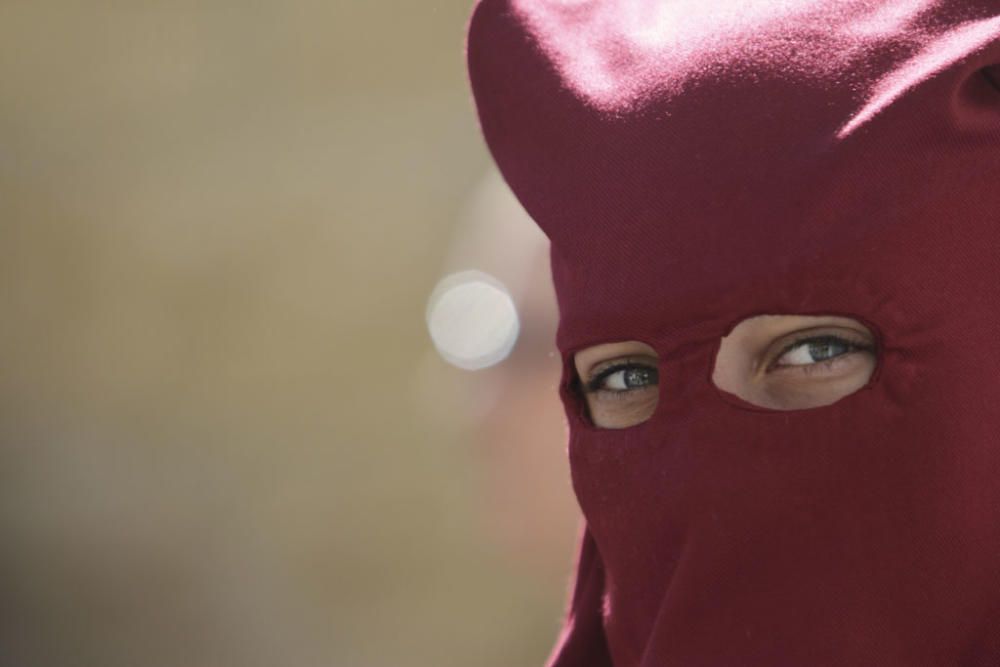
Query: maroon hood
697	162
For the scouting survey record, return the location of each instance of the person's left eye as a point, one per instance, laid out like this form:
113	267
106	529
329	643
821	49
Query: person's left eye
816	350
622	378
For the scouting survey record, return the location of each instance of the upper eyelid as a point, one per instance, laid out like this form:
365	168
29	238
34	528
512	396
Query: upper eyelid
826	331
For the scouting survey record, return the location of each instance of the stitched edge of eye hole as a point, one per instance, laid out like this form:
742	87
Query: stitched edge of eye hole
571	389
744	403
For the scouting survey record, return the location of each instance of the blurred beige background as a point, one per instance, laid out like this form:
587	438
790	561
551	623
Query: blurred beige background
225	435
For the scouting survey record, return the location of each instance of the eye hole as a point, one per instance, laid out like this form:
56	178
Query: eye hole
619	383
792	362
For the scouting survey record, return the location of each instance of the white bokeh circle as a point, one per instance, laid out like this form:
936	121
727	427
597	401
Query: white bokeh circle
472	320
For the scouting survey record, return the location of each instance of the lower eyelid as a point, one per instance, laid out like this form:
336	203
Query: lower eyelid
627	394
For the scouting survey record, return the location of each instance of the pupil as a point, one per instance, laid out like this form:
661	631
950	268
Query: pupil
639	376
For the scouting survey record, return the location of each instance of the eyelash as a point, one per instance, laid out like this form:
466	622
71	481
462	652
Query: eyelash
593	385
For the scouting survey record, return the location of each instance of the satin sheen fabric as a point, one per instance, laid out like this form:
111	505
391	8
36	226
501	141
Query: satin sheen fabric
695	163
